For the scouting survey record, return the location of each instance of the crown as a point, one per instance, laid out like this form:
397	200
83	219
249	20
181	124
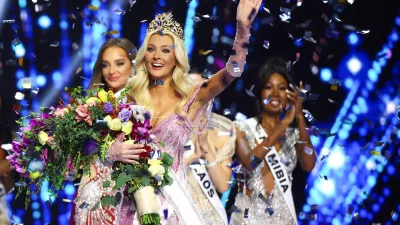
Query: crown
165	21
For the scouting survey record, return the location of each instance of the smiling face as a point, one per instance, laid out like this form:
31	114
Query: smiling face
160	58
275	91
116	67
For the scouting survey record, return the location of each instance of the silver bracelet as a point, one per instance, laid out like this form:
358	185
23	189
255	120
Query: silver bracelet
211	164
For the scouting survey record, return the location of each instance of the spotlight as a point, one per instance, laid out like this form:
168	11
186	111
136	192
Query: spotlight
354	65
44	21
390	107
353	39
19	50
336	159
41	80
326	74
348	83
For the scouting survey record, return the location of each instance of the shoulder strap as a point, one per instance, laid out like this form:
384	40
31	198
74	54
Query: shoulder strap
189	103
256	129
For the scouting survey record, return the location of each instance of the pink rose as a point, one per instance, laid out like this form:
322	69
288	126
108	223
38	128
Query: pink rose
50	140
82	114
59	112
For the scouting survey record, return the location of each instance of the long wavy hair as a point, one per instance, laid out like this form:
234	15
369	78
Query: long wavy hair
122	43
180	81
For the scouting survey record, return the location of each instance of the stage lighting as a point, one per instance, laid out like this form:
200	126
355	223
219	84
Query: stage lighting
398	21
44	21
353	39
343	134
315	140
41	80
348	83
390	107
327	187
336	159
22	3
57	76
63	24
36	214
326	74
69	189
354	65
394	36
372	75
19	74
19	50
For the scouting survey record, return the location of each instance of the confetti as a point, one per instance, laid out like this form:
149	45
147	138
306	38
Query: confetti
26	82
120	12
165	211
21	61
8	21
55	44
34	92
132	2
266	44
308	150
250	92
266	10
16	42
19	96
363	31
204	52
236	67
20	184
267	100
196	19
143	21
313	97
380	143
110	33
375	153
224	133
227	112
84	205
93	8
309	116
246	213
6	146
308	37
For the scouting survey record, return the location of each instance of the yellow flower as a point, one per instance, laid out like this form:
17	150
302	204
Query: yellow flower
107	118
115	124
156	168
92	100
34	175
111	95
66	110
127	127
130	142
43	137
102	95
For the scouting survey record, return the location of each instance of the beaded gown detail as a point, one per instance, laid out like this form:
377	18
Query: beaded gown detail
257	206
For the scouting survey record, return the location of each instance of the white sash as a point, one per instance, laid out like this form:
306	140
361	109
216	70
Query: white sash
277	168
204	181
177	196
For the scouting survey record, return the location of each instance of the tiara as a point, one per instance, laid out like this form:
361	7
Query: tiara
165	21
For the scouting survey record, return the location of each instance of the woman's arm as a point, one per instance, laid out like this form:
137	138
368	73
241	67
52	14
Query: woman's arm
246	13
244	152
219	173
305	152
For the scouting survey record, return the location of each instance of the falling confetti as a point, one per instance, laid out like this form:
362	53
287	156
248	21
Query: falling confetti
26	82
55	44
120	12
16	42
8	21
19	96
20	184
204	52
34	92
308	37
93	8
266	44
266	10
267	100
196	19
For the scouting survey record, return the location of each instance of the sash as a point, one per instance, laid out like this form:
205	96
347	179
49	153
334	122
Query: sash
204	181
277	168
177	196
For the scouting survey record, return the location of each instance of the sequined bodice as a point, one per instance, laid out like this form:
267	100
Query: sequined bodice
257	206
174	132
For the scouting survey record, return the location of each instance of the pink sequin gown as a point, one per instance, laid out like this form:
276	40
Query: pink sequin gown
174	132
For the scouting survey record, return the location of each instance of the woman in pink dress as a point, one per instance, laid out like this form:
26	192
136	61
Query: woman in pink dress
112	69
177	106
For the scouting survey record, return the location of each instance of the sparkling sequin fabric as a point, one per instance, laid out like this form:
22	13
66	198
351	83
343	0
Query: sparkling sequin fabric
90	193
258	207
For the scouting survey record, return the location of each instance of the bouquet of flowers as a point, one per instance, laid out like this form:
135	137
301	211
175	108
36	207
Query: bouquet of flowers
73	135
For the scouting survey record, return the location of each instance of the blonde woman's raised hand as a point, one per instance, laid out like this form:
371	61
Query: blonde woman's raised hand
247	11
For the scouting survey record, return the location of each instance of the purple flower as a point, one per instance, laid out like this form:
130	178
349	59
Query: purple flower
108	108
124	115
90	147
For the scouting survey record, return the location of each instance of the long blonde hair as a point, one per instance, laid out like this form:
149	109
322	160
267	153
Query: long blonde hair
180	81
122	43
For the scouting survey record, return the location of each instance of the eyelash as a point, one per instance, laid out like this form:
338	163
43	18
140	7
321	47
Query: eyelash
164	50
269	87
